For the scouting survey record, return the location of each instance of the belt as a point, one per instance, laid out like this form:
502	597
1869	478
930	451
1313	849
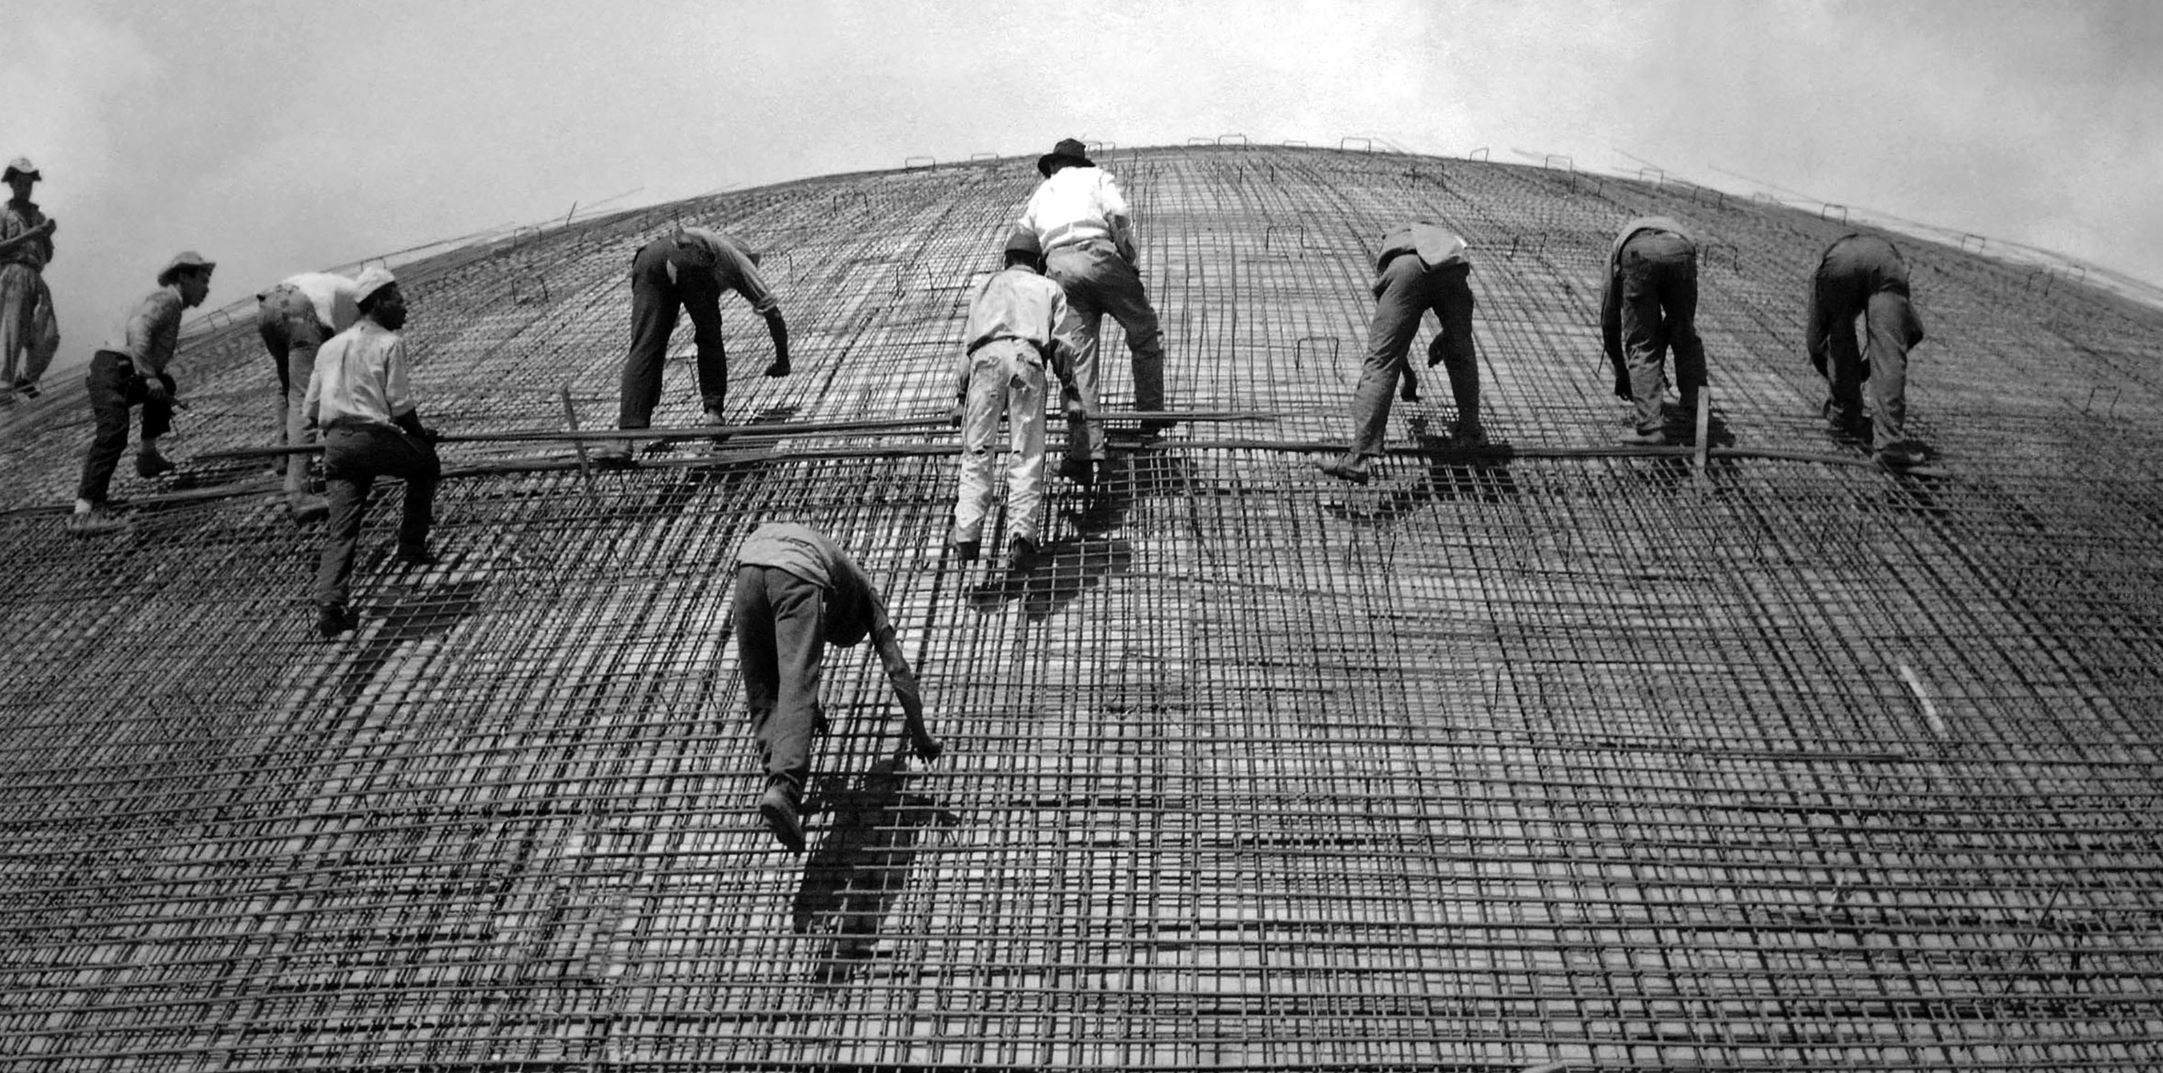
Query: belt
988	340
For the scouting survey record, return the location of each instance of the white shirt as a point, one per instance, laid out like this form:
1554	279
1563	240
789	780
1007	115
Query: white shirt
359	378
331	295
1074	205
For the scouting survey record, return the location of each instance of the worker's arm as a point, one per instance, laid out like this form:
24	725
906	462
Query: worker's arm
27	237
904	681
1611	330
153	334
779	330
1123	238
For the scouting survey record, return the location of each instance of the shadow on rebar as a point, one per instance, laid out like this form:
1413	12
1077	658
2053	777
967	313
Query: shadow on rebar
1065	569
410	615
862	866
1451	474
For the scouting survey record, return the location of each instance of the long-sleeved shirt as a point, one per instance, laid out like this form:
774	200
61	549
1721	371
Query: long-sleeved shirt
359	379
330	294
853	608
1074	205
20	218
151	333
732	268
1432	243
1611	295
1019	304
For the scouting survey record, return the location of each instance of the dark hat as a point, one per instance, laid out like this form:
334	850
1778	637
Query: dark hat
183	259
21	166
1068	151
1023	240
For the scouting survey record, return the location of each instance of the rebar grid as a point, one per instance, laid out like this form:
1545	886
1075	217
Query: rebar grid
1502	763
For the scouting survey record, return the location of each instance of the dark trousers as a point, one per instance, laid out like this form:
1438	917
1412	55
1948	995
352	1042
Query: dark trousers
655	302
114	390
353	457
1659	310
780	645
1406	290
1864	277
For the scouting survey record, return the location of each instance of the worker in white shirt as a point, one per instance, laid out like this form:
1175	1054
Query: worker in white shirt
359	397
1081	221
295	318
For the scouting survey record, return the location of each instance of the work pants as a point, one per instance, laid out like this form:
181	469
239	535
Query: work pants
29	333
1406	289
1659	309
353	457
1006	376
114	389
1098	281
655	302
780	646
292	332
1865	277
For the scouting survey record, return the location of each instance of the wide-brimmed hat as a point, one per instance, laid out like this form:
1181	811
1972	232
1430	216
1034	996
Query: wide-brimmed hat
183	259
21	166
372	279
1068	151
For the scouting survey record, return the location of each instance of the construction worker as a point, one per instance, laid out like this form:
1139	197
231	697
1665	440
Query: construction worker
797	592
360	399
1018	322
1863	275
295	318
1422	266
687	271
1081	221
1650	302
29	334
131	369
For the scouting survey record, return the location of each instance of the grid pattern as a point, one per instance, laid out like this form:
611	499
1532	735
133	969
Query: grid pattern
1556	758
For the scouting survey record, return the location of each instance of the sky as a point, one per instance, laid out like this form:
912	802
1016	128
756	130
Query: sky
281	137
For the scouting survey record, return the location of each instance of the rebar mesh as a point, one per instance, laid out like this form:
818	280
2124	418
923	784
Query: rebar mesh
1552	758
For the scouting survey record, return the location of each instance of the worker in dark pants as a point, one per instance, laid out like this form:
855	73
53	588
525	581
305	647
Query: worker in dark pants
1422	267
686	272
1863	275
360	398
797	592
1650	303
131	371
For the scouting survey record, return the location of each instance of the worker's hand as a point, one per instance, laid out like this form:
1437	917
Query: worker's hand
1434	352
431	436
926	746
154	389
1622	386
48	227
779	368
954	416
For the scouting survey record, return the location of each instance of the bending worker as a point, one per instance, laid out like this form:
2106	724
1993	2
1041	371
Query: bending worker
360	398
295	318
131	370
1422	266
29	335
686	271
1649	303
1863	275
796	592
1017	323
1081	222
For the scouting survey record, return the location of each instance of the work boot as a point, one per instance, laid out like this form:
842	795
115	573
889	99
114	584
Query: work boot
95	521
1020	555
149	463
778	807
615	454
1080	471
27	388
307	508
1468	433
1901	456
778	369
332	620
715	420
415	554
1654	438
1349	468
968	550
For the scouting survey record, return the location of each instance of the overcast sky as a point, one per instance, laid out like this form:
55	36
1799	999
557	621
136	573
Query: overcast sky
279	137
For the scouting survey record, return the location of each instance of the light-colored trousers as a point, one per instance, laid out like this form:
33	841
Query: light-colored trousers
29	334
1006	376
287	321
1098	281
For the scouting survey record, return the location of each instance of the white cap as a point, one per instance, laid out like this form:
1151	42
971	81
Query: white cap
372	279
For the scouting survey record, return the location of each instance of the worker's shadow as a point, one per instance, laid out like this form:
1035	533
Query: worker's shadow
408	614
862	865
1447	473
1065	569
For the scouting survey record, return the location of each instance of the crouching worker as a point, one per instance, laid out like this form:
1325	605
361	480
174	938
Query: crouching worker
1018	322
358	396
796	592
131	371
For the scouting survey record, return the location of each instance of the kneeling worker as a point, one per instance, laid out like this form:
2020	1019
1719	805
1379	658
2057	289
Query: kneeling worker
358	396
796	592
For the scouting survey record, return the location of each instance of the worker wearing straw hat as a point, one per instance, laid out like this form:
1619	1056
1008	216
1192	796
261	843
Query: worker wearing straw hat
687	271
1018	323
130	370
294	319
1648	305
1422	266
797	592
359	396
29	334
1864	276
1081	221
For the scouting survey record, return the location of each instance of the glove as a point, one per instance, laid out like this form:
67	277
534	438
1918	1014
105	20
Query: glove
431	436
1622	387
155	390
